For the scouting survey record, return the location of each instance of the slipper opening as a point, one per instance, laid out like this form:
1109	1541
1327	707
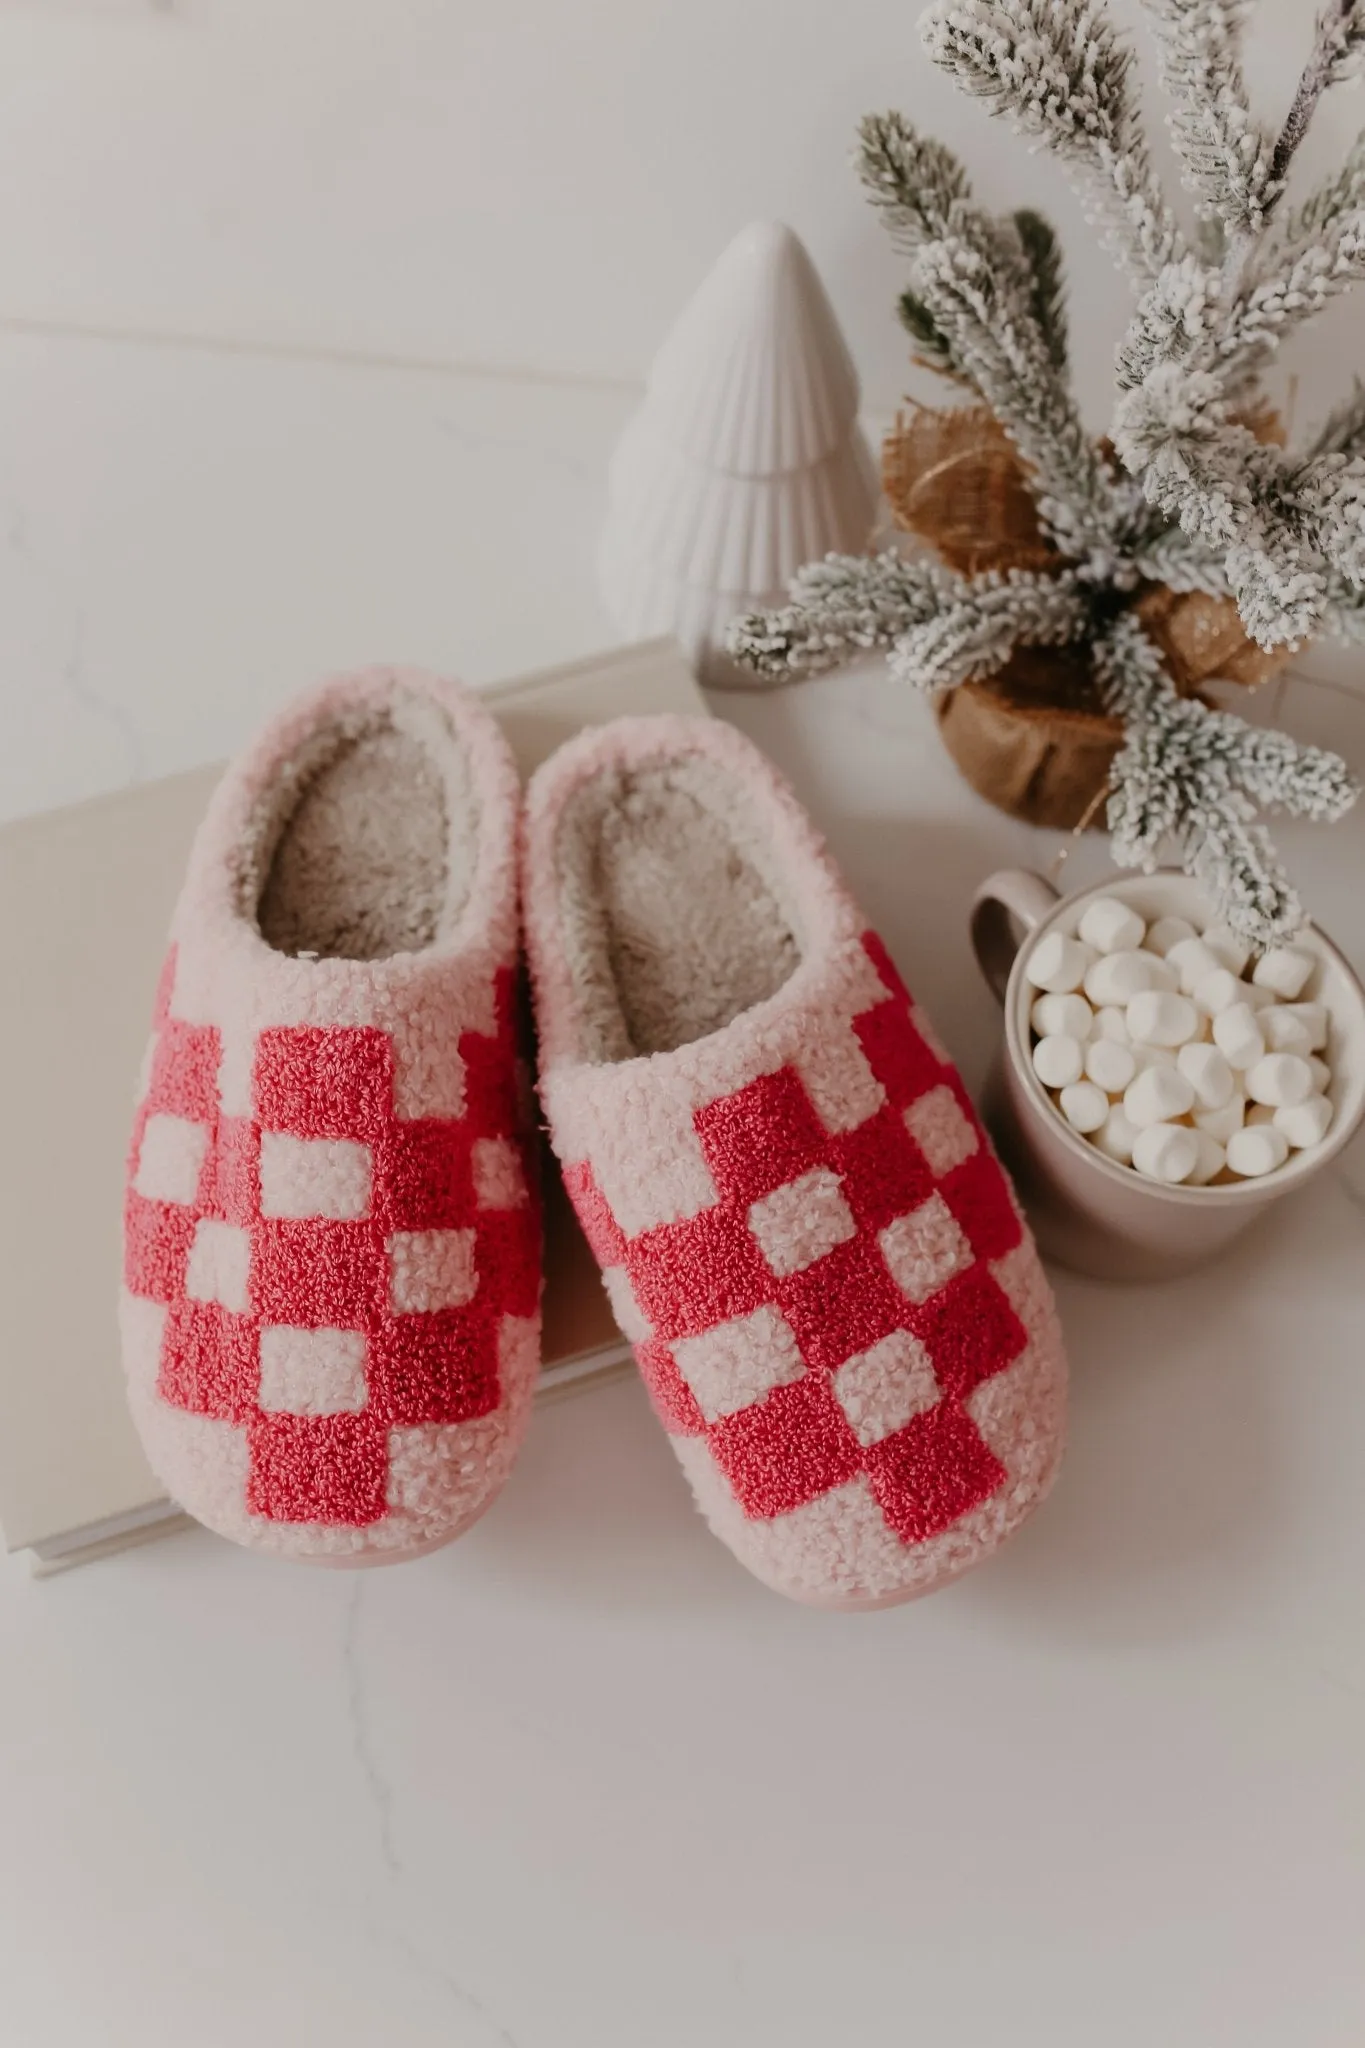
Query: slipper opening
368	844
677	917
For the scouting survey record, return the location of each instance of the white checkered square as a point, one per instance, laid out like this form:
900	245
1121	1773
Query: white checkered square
944	1135
312	1372
736	1363
314	1177
219	1264
801	1222
431	1269
925	1249
884	1388
170	1158
499	1182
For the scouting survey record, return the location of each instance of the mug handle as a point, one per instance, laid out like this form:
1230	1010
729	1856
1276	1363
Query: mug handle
1006	908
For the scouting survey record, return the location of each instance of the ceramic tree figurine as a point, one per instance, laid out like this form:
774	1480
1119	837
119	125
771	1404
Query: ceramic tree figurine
745	459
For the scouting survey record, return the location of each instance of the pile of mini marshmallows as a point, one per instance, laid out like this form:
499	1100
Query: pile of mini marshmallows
1158	1045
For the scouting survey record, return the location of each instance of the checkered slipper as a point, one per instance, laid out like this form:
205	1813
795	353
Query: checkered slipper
839	1315
331	1305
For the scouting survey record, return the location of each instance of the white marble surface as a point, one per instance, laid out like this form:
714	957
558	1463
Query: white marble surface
577	1782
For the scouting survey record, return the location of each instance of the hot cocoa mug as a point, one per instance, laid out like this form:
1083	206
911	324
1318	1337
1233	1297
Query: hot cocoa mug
1087	1211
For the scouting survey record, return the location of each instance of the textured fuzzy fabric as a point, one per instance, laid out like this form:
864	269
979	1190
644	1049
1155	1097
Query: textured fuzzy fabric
803	1231
331	1295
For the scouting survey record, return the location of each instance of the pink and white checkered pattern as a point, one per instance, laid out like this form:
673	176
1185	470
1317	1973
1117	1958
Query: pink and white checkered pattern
819	1326
335	1282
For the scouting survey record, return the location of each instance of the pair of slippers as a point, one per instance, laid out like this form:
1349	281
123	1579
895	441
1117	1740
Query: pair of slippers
331	1303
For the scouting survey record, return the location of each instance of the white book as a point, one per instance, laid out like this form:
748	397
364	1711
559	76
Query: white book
86	896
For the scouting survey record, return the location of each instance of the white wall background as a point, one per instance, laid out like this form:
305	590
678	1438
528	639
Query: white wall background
527	185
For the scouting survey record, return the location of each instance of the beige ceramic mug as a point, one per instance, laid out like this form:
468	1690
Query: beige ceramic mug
1087	1211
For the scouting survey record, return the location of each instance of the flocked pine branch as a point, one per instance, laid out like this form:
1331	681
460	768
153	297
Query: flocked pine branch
1343	430
1225	156
976	632
1059	71
939	627
997	343
1183	563
1307	277
1338	47
985	301
840	607
920	189
1047	287
1343	192
1211	474
1206	504
1197	777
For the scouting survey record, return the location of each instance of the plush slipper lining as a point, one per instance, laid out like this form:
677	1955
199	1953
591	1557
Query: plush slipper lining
369	848
676	918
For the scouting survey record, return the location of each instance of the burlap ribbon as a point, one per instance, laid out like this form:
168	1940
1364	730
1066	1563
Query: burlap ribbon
1034	738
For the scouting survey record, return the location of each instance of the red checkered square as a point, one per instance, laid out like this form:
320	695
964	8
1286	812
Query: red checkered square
440	1367
762	1137
788	1448
423	1169
928	1475
885	1174
210	1361
184	1077
324	1084
689	1276
330	1273
781	1437
896	1053
156	1247
318	1468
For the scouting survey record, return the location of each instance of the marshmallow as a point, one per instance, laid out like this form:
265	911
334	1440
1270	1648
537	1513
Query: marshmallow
1292	1018
1157	1096
1210	1161
1208	1073
1221	1123
1321	1072
1166	1152
1156	1017
1117	977
1230	947
1070	1014
1057	963
1110	926
1084	1106
1153	1056
1238	1036
1258	1149
1192	961
1285	969
1304	1123
1116	1137
1285	1031
1280	1080
1058	1060
1218	991
1109	1065
1168	932
1111	1023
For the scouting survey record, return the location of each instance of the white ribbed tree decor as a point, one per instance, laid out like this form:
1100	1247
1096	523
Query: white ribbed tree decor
745	459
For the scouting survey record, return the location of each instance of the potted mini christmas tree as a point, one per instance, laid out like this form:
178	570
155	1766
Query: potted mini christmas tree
1085	592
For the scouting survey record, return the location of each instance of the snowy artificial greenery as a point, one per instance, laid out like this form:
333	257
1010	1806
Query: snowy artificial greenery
1190	496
